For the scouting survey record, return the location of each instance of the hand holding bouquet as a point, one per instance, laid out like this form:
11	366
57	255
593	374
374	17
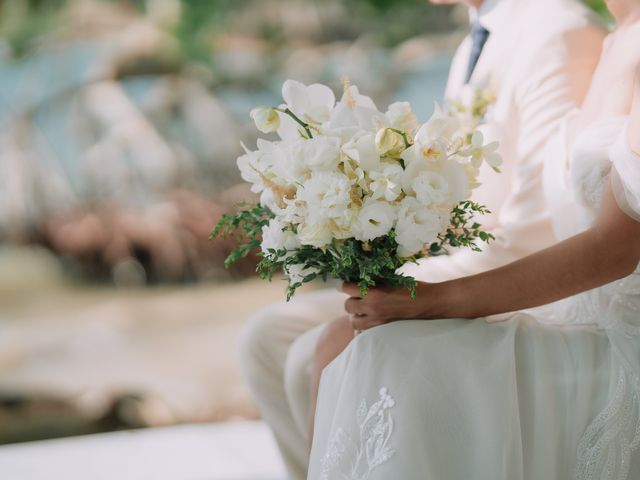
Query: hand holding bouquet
352	193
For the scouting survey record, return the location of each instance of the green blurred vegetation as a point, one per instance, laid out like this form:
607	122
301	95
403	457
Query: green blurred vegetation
199	22
23	22
26	23
599	6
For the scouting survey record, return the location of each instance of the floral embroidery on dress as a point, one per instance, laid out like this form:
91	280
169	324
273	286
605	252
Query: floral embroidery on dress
349	458
604	452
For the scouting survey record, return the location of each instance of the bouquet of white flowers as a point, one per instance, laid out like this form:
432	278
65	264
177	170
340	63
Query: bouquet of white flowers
352	193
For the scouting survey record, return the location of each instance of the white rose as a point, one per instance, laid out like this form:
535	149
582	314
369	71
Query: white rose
289	211
326	194
315	233
289	161
430	188
400	116
387	184
322	153
341	226
415	167
375	219
266	119
275	236
362	149
416	227
269	199
458	181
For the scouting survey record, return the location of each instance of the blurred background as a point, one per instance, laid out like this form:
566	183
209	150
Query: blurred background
120	125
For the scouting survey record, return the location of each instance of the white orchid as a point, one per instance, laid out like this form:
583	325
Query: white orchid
416	227
478	152
277	236
375	219
387	183
255	166
312	103
362	149
321	153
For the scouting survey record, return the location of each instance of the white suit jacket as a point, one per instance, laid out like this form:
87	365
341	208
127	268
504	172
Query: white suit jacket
538	60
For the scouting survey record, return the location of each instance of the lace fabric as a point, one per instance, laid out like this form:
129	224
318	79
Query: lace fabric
356	458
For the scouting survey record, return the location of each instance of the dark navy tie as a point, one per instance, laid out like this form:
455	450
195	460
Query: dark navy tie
479	36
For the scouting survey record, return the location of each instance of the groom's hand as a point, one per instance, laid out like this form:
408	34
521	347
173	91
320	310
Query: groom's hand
379	306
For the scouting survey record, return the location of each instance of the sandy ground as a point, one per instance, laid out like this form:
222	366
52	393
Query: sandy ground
177	346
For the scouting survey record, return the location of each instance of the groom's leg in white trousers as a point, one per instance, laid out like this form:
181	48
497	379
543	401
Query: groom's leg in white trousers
278	375
297	377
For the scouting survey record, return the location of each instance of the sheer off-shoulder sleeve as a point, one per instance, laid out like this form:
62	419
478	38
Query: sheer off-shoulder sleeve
625	175
605	449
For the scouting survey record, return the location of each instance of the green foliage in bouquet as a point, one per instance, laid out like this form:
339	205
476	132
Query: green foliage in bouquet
245	227
370	264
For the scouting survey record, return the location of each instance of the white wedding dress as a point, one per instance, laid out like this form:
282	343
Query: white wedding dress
552	393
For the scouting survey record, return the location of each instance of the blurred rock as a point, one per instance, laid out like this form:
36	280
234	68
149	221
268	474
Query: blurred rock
115	154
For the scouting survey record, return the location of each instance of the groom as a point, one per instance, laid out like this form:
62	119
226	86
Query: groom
537	56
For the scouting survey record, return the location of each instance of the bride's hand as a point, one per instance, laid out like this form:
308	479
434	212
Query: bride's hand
383	305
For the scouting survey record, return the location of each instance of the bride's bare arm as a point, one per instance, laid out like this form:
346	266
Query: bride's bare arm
608	251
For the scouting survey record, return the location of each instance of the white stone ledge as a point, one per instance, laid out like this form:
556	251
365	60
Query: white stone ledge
231	451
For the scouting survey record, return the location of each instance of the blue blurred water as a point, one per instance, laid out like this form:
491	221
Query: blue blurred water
422	85
425	85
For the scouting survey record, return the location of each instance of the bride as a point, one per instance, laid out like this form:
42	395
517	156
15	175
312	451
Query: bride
549	392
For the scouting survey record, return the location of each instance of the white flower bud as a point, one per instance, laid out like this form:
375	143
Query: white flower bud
389	142
266	119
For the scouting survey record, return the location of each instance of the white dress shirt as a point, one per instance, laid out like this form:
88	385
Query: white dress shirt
538	61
